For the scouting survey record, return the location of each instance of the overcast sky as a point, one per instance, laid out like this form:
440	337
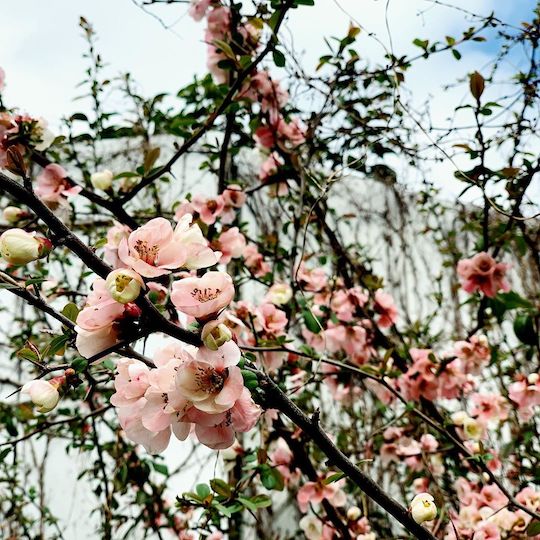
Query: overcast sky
41	45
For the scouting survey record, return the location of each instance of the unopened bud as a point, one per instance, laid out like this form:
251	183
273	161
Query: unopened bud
353	513
20	247
42	393
472	429
12	214
102	179
533	378
124	285
215	334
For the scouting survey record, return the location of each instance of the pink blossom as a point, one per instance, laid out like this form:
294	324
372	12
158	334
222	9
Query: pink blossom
526	394
489	407
292	134
219	21
271	319
90	343
199	253
453	381
208	208
100	310
255	261
475	353
529	497
267	92
492	496
203	297
198	9
52	186
421	379
212	381
114	236
153	250
232	244
315	492
233	198
481	272
385	308
311	280
131	382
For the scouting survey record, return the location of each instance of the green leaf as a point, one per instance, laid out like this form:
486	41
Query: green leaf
221	487
248	504
457	54
524	329
513	300
334	478
71	311
279	58
79	364
202	490
271	478
160	468
311	322
534	528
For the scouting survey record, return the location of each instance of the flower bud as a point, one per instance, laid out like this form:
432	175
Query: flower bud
12	214
279	294
20	247
43	393
102	179
423	508
353	513
215	334
124	285
533	378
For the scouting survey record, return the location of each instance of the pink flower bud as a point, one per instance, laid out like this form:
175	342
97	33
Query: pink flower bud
12	214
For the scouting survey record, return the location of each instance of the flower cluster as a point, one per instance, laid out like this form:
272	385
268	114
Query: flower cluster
190	389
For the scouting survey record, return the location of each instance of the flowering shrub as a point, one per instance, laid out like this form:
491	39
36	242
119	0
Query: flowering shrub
359	381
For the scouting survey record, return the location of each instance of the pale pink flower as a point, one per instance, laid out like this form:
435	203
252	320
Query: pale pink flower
385	308
198	9
489	407
526	394
529	497
270	319
492	496
279	294
131	382
90	343
293	133
421	379
475	353
233	198
208	208
315	492
153	249
212	381
219	21
453	381
203	297
52	186
100	310
311	280
232	244
115	234
267	92
190	236
483	273
255	261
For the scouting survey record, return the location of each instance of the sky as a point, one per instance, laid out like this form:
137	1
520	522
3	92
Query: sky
41	48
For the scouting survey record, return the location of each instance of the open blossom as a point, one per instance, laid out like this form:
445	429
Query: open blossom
421	379
233	199
20	247
232	244
101	309
481	272
270	319
526	394
208	208
385	308
255	261
212	381
152	250
198	9
311	280
43	393
52	186
315	492
423	508
115	235
279	294
489	407
474	353
203	297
